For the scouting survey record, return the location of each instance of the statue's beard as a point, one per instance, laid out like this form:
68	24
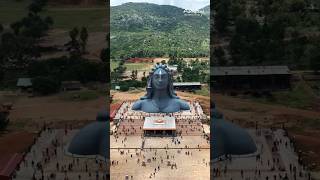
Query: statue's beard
161	88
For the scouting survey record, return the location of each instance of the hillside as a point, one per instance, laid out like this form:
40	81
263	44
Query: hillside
205	10
77	2
149	30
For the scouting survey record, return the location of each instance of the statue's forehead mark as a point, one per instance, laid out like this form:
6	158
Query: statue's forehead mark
160	72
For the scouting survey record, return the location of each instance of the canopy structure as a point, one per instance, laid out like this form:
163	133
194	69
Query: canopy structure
228	138
159	123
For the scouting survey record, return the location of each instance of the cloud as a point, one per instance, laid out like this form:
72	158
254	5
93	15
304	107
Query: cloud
186	4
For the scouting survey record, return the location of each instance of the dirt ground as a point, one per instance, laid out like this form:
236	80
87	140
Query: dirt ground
52	109
309	144
30	113
59	37
247	113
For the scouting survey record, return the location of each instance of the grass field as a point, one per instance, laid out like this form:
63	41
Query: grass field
204	91
65	17
300	96
113	65
132	66
83	95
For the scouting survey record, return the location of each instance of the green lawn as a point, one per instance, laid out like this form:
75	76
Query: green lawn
11	10
132	66
113	65
204	91
83	95
137	66
300	96
65	17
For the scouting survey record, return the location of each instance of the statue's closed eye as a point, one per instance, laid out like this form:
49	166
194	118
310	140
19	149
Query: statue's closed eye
157	76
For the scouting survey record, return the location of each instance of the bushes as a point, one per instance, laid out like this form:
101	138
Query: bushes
70	69
47	75
125	85
3	120
45	85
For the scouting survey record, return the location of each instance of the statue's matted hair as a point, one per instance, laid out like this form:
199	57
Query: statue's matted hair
150	88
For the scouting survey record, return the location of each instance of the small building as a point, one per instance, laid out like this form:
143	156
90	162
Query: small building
113	111
24	83
187	86
71	85
159	126
250	78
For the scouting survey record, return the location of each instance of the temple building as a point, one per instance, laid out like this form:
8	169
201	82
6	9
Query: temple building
159	126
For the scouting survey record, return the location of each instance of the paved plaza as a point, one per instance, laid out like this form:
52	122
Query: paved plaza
183	157
47	159
275	159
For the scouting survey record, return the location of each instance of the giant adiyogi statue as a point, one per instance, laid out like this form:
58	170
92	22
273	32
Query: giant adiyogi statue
228	138
93	139
160	97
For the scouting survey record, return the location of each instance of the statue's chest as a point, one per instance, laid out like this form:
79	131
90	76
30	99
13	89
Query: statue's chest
161	106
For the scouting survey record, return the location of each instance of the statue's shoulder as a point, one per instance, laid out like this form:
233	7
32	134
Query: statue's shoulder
183	104
137	105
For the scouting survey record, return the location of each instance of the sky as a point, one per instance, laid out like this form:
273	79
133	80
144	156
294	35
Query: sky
185	4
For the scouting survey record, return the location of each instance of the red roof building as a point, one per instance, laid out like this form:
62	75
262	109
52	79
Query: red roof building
140	60
114	109
8	165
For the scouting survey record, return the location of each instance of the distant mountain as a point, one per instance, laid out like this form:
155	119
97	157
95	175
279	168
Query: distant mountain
77	2
205	10
145	29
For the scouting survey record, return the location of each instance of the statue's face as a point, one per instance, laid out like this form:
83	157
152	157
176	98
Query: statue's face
160	79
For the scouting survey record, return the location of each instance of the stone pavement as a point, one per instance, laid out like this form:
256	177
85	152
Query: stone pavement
48	159
185	157
277	160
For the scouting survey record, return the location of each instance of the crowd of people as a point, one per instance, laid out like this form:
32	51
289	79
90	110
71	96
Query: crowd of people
276	158
130	123
48	159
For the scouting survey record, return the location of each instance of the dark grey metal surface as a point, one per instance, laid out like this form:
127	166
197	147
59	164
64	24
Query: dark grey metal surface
228	138
160	97
93	139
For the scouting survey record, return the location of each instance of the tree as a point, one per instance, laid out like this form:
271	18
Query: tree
222	15
105	55
3	120
83	39
315	59
17	51
1	28
297	6
45	85
74	45
134	75
37	6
